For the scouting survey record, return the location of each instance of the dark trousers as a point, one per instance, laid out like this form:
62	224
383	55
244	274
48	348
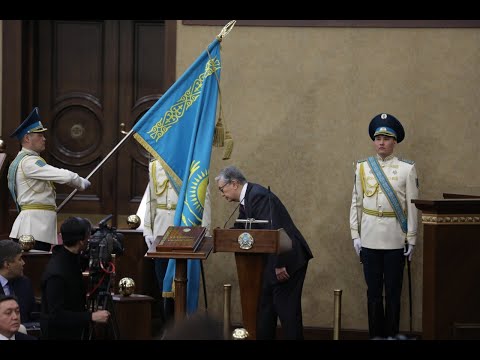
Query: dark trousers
282	300
383	268
167	304
40	245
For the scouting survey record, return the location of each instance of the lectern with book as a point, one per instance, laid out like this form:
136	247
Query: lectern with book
181	243
250	247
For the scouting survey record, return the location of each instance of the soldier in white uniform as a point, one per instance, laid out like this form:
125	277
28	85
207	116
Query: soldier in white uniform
383	223
160	207
30	181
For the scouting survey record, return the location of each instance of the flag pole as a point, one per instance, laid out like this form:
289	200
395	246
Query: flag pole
72	194
226	29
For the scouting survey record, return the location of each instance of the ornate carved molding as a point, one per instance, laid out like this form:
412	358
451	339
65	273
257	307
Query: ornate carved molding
447	219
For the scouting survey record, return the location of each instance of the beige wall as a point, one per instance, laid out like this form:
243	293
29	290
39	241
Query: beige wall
298	102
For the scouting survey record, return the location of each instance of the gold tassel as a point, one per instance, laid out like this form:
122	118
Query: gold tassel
219	134
228	146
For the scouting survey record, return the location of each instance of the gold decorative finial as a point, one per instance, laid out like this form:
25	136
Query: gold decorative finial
226	29
240	334
126	286
26	242
133	221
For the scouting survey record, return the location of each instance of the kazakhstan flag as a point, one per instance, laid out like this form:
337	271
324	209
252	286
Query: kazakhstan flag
178	131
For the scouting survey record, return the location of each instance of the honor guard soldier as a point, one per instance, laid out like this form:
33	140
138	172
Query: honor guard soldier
160	209
382	220
30	181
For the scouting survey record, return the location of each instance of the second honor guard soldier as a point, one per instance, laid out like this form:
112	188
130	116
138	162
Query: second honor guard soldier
159	215
30	181
382	219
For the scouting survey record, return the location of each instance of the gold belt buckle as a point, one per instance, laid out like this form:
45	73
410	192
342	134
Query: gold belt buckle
380	213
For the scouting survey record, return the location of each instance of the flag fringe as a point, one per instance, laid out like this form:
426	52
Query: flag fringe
219	134
228	146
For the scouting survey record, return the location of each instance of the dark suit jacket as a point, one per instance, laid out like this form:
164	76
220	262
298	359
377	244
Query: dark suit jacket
22	336
64	312
262	204
23	291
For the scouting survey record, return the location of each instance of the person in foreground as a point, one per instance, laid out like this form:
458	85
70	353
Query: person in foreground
10	319
64	311
382	220
13	281
284	273
30	181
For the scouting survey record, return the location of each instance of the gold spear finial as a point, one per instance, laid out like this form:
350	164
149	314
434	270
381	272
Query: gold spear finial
226	29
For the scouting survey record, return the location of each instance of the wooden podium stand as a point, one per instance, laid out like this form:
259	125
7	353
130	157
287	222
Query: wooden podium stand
250	264
451	268
181	258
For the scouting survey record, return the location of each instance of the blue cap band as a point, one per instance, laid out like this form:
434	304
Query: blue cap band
384	130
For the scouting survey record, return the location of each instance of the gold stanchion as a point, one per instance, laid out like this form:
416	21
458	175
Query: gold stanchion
337	313
227	296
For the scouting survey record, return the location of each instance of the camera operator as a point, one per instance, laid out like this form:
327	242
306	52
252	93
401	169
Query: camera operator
64	312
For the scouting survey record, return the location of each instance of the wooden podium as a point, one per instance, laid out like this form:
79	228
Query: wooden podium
451	267
181	258
250	263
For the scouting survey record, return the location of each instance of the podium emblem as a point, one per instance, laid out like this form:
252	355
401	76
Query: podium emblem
245	240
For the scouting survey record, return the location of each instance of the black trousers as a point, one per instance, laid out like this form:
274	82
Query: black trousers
383	268
284	301
40	245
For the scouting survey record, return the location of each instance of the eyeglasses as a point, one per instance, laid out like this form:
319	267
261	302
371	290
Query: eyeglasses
221	187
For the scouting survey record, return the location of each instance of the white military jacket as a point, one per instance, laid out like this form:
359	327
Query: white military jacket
35	193
161	202
372	218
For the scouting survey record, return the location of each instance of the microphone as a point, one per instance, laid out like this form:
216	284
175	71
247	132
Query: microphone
270	207
233	212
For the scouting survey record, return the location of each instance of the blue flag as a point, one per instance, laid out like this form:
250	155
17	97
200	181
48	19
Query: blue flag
178	131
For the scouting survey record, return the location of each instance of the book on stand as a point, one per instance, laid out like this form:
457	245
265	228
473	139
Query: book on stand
182	238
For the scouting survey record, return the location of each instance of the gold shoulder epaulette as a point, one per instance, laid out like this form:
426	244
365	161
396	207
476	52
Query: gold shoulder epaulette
411	162
361	160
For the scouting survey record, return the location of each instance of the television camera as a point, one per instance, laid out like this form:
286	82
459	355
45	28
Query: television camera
104	242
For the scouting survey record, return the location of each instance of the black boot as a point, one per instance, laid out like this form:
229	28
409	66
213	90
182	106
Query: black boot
392	319
376	320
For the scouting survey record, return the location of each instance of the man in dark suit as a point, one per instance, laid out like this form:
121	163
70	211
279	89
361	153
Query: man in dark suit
284	273
64	304
12	280
10	319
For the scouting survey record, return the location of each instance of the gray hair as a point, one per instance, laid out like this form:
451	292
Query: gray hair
231	173
8	250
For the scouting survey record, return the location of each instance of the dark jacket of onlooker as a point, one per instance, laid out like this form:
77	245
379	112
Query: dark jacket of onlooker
64	313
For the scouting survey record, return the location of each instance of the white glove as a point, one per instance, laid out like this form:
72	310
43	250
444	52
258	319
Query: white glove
409	252
85	184
149	239
357	244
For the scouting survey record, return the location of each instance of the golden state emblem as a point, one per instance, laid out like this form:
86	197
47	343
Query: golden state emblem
245	240
195	197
